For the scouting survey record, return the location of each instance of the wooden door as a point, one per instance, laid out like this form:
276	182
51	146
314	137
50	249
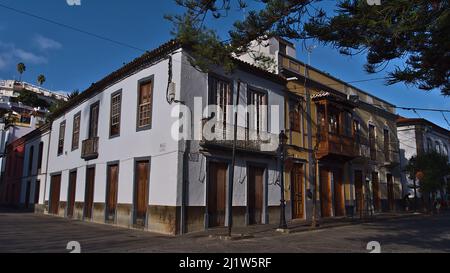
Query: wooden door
217	194
255	195
359	191
390	190
55	191
37	190
111	194
376	191
71	194
141	192
339	195
89	193
297	192
325	192
27	194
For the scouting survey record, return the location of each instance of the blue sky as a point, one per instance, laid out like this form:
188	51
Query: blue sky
72	60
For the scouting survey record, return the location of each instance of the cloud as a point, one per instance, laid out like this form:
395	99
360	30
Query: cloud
45	43
10	54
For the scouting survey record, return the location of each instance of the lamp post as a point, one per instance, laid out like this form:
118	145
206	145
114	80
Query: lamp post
281	149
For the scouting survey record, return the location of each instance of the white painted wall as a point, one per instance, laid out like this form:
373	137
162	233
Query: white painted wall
35	175
195	84
156	143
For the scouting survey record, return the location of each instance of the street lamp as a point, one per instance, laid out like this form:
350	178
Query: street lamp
282	143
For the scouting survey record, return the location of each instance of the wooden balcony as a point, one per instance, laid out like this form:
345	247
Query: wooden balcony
338	147
221	135
89	149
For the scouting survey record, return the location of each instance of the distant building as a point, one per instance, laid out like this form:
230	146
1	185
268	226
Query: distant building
419	136
18	118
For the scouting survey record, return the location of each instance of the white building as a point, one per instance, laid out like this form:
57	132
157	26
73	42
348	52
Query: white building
418	136
115	156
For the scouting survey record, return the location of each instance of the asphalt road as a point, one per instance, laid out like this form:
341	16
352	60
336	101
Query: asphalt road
34	233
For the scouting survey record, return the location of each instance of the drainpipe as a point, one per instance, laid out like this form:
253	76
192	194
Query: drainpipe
184	186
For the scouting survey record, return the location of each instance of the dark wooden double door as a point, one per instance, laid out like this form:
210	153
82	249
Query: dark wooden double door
332	199
217	194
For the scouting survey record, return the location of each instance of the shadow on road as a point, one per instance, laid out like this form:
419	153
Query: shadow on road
425	233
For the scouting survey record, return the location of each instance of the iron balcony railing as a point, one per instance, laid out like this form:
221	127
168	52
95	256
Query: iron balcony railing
222	134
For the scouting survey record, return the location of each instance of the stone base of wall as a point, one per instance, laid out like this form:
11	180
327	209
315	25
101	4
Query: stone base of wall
160	219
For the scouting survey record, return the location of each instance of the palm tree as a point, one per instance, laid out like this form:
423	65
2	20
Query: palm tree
21	68
41	79
74	94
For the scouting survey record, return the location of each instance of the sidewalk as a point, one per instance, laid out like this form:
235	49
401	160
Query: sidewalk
297	226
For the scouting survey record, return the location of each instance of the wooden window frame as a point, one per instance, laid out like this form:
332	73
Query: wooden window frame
387	144
76	134
91	134
264	93
113	115
61	138
212	98
373	150
297	106
142	82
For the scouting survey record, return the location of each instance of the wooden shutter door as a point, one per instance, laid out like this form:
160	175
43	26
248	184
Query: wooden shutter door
325	196
141	191
390	190
217	194
89	194
297	192
111	199
255	195
339	197
71	195
55	191
359	191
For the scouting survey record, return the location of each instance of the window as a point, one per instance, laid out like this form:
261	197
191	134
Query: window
220	94
438	147
445	150
145	105
62	131
321	122
116	102
93	120
258	113
30	161
283	48
357	131
76	132
430	145
348	117
40	155
387	145
333	122
372	143
295	120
